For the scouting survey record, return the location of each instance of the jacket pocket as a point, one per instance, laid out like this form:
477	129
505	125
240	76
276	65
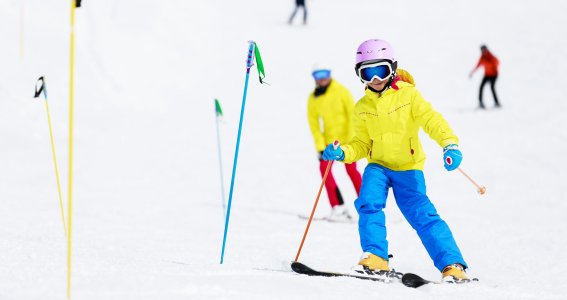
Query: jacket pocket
415	149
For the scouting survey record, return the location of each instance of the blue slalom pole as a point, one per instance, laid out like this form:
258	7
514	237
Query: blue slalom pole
249	63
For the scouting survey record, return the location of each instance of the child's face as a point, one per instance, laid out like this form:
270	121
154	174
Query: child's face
378	84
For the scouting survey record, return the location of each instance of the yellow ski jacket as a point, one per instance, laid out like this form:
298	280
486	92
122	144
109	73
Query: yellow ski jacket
334	110
386	128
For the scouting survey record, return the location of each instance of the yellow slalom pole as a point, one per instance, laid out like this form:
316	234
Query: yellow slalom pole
70	182
43	89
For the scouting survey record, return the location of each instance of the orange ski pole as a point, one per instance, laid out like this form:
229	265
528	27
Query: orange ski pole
329	165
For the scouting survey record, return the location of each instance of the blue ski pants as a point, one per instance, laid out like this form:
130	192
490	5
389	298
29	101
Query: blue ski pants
409	192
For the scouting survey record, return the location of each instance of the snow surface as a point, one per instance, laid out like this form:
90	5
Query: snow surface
148	219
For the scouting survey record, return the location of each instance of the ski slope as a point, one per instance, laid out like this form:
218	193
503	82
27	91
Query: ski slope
148	219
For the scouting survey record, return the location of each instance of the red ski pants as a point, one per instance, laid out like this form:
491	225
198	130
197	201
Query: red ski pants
335	197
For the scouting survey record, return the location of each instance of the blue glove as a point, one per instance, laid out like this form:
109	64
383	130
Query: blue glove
331	153
452	157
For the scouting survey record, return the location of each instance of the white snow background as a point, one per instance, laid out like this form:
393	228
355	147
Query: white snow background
148	219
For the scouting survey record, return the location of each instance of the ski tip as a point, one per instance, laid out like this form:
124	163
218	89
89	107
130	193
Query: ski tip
301	268
297	266
413	280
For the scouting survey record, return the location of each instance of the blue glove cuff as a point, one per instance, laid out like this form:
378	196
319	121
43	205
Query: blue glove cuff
451	147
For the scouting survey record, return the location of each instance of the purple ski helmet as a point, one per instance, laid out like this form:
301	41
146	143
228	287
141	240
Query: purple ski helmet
375	50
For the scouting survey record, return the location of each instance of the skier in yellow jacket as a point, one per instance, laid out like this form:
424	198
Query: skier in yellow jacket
329	110
386	124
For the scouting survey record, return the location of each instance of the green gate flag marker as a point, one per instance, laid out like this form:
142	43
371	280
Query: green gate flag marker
259	64
218	108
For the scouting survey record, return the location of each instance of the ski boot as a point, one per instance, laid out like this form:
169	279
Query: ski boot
340	214
454	273
376	266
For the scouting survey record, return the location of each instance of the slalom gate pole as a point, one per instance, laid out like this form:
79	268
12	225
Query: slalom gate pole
329	165
249	63
218	112
480	188
43	90
71	121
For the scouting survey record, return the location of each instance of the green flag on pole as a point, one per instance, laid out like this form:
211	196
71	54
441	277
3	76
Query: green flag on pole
218	108
259	63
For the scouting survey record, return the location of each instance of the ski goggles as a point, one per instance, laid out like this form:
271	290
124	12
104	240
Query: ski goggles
321	74
380	70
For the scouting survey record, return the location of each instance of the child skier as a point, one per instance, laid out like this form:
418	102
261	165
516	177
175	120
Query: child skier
386	124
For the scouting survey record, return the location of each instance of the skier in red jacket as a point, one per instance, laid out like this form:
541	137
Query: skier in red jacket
490	64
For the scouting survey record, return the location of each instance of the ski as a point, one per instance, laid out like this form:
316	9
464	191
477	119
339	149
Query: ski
304	217
415	281
408	279
300	268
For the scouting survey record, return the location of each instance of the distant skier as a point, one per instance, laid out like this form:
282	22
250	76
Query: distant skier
329	112
490	64
298	4
386	124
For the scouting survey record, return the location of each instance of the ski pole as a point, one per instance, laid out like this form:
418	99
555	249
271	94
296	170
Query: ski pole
43	90
480	188
329	165
249	63
218	112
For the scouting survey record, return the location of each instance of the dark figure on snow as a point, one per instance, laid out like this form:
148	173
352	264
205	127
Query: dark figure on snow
490	64
298	4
